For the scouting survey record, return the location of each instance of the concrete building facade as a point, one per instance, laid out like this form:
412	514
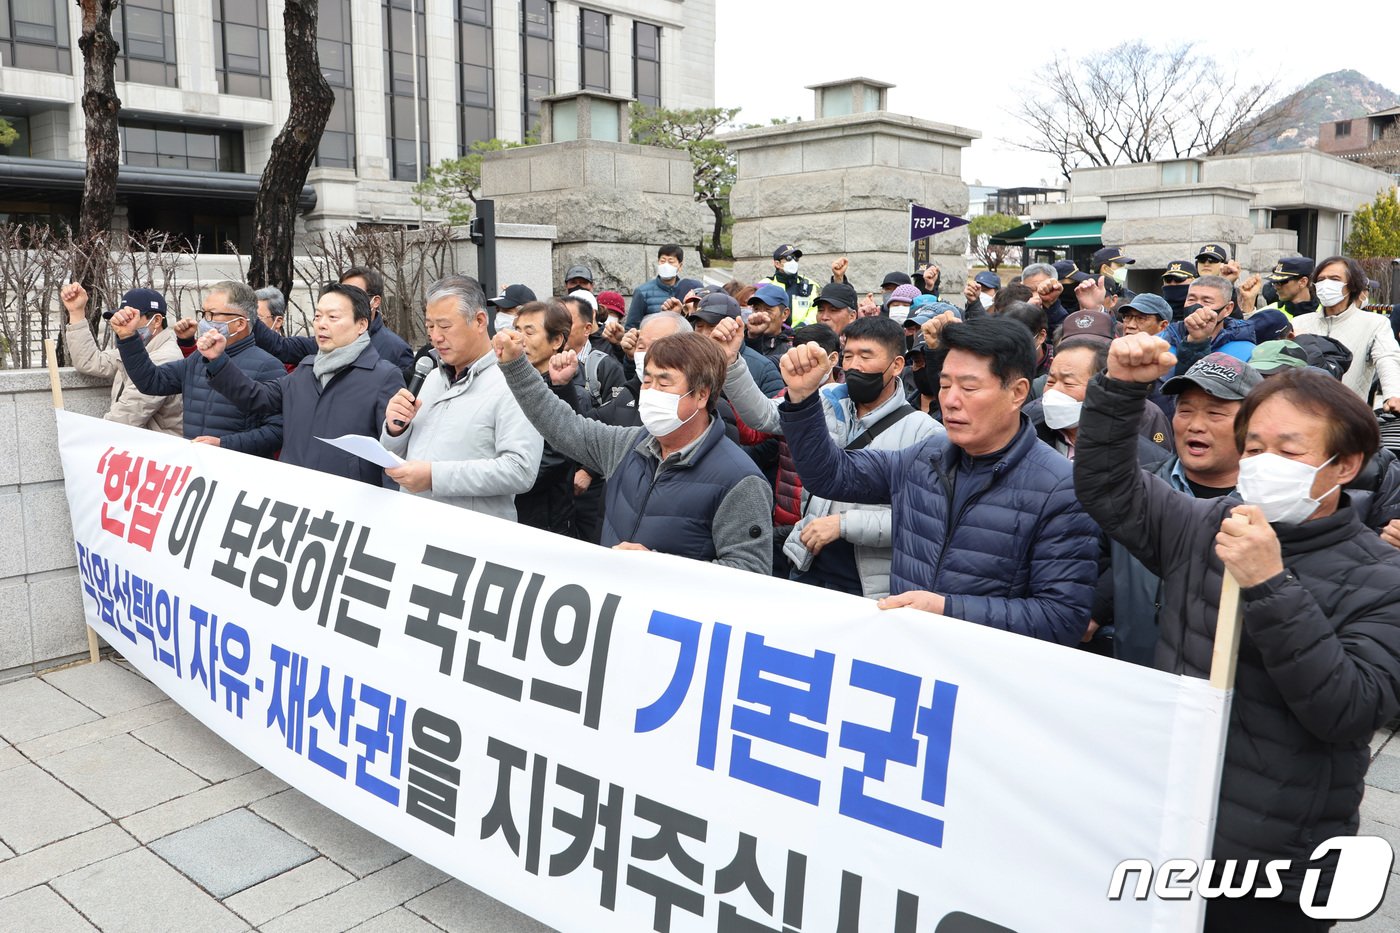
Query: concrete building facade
204	93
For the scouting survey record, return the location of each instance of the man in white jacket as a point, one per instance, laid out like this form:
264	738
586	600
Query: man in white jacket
1339	282
839	545
465	439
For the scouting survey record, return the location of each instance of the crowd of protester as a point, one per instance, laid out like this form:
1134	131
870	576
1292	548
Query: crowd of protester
1054	455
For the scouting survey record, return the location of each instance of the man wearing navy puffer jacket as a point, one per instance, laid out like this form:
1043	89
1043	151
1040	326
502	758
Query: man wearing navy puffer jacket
985	522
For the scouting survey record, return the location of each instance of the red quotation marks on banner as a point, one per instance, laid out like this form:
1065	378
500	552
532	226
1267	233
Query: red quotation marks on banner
586	818
318	559
510	620
134	609
136	491
358	733
767	709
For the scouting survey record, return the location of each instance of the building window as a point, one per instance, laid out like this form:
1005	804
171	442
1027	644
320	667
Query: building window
165	145
333	42
537	41
240	48
1344	128
34	35
406	87
593	51
20	147
646	64
476	95
145	31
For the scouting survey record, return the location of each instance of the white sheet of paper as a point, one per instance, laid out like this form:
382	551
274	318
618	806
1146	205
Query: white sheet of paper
367	448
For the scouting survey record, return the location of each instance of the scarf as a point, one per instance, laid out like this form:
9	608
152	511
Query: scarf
330	362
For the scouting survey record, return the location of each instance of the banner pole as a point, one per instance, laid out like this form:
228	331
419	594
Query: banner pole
1227	635
51	356
909	250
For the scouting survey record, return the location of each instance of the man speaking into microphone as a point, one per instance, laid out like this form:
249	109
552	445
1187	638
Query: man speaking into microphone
465	439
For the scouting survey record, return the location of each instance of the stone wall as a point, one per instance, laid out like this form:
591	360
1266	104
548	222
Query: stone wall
611	204
841	186
41	613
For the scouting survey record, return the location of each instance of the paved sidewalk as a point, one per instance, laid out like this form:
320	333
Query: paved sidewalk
108	788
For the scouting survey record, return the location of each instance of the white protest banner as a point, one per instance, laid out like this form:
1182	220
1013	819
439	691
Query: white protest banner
632	741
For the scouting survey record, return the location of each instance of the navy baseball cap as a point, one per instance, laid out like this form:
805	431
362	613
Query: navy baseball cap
146	300
1180	269
717	306
987	279
1270	324
771	295
1291	267
1213	252
513	297
785	250
1154	305
1110	254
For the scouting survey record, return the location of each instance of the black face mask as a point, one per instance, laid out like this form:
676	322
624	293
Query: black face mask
864	388
1068	299
924	382
1270	293
1175	295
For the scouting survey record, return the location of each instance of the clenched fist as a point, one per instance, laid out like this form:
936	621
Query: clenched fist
124	322
1140	358
75	301
509	345
805	367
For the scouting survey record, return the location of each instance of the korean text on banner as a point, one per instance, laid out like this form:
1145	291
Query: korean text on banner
632	741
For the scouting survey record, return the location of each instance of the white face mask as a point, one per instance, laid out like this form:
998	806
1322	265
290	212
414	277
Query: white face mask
790	267
1280	487
1061	410
639	358
504	321
658	411
1120	275
664	270
1330	293
899	313
986	299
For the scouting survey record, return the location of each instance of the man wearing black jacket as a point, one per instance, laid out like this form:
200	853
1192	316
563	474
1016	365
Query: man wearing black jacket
1319	659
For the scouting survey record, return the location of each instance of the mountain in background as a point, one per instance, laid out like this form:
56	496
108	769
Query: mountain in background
1341	95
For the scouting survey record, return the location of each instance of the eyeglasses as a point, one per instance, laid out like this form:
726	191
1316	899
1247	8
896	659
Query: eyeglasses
213	315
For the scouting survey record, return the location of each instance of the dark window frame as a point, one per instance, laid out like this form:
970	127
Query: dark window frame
476	105
596	44
543	32
337	148
136	65
640	64
400	136
238	77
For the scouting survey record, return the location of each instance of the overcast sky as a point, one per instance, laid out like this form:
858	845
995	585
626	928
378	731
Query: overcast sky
952	63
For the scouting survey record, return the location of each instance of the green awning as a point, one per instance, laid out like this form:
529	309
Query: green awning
1013	237
1068	233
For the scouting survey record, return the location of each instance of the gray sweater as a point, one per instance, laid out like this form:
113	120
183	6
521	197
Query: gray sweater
600	447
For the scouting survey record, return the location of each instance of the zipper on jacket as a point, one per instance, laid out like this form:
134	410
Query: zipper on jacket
957	520
642	508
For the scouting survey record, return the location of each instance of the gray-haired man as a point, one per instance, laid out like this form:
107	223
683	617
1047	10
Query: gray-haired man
230	308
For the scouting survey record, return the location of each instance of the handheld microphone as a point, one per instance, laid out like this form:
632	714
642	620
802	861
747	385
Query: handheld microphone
421	370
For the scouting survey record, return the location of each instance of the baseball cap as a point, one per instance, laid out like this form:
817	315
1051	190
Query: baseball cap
1089	324
838	294
896	278
1180	269
684	287
716	306
1271	356
146	300
785	250
1148	304
1213	252
1110	254
771	295
905	293
585	296
1291	267
1270	324
1219	375
612	302
1064	267
987	279
512	296
579	272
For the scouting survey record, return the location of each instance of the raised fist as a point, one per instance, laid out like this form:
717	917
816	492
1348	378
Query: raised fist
562	367
1140	358
729	334
124	322
75	301
211	345
804	368
509	345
